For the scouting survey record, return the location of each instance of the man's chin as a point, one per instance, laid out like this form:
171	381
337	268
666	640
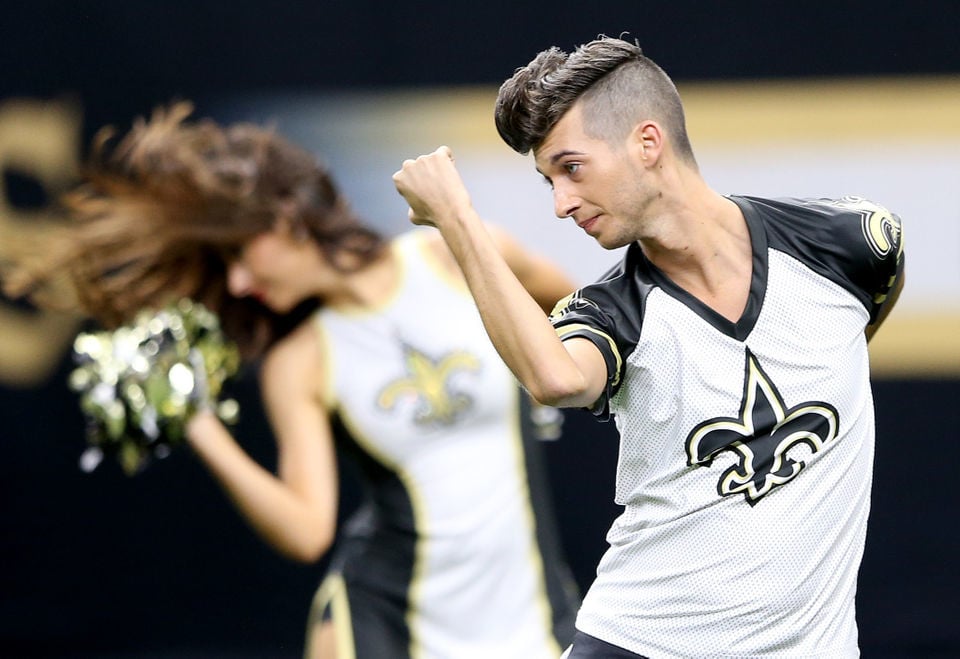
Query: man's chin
609	244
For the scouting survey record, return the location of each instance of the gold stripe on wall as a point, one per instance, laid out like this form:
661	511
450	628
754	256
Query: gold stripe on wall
847	109
917	346
736	113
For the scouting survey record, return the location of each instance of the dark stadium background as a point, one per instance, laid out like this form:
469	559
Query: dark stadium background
101	565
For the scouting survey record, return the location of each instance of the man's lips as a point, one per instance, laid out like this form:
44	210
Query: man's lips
588	223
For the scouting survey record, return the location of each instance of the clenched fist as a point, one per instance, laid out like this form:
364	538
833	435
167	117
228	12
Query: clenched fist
433	188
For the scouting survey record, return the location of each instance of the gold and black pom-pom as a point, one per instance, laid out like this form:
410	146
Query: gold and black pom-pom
140	383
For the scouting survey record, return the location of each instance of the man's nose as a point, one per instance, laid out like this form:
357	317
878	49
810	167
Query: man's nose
565	203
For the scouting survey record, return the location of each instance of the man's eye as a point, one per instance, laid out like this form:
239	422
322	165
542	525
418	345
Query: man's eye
572	167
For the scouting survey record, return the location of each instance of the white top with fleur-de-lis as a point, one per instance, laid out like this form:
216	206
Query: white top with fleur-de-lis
432	416
746	452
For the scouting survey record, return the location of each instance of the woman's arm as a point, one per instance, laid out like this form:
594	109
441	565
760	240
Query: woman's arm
546	283
295	510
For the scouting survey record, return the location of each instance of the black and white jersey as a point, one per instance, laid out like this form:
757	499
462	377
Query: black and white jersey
746	448
454	553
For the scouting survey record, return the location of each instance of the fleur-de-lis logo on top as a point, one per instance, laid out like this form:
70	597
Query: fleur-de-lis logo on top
761	437
428	381
881	228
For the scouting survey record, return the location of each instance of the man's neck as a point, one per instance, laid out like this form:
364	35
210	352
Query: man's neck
705	249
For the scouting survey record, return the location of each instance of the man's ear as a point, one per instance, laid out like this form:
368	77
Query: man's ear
646	141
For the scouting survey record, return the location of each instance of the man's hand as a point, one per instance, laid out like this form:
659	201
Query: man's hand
433	188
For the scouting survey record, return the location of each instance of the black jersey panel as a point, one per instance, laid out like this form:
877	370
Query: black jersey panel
851	241
378	543
376	586
375	554
381	485
610	314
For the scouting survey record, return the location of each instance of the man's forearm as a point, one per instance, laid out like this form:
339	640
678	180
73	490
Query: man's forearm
514	321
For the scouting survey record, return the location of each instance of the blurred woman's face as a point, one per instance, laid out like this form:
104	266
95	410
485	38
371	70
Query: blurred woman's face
274	268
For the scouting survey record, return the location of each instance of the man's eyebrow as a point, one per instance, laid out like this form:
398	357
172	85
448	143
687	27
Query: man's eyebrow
562	154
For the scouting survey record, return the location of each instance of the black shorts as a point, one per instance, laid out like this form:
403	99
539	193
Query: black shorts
585	646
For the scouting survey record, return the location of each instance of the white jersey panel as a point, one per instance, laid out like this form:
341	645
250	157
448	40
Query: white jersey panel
690	559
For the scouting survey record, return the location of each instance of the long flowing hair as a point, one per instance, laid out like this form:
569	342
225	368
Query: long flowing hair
160	211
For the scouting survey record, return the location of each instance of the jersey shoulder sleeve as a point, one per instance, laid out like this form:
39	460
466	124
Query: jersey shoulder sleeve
609	313
854	242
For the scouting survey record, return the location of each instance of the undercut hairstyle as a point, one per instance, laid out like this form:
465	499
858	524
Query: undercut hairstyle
160	212
617	84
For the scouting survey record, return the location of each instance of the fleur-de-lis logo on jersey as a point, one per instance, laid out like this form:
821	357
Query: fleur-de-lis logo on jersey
428	381
761	437
880	227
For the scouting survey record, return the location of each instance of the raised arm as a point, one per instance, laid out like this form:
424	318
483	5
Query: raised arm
561	374
294	510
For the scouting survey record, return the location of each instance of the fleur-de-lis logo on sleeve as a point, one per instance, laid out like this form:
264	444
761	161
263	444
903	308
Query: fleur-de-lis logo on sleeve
761	437
881	229
428	381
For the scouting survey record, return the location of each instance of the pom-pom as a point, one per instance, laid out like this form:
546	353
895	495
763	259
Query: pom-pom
140	383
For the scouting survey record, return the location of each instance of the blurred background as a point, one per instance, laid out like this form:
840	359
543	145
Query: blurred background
790	98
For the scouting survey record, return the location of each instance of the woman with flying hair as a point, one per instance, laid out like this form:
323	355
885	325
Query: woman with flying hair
370	347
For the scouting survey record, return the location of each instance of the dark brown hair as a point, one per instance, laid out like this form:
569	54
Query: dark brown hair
160	210
619	87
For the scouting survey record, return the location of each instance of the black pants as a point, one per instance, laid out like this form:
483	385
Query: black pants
587	647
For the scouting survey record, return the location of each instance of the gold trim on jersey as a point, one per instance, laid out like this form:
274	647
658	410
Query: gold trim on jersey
333	591
418	507
564	330
327	356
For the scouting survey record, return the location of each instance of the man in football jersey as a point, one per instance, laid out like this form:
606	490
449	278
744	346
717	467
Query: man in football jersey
729	346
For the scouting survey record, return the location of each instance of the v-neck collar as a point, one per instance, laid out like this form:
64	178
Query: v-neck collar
740	329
